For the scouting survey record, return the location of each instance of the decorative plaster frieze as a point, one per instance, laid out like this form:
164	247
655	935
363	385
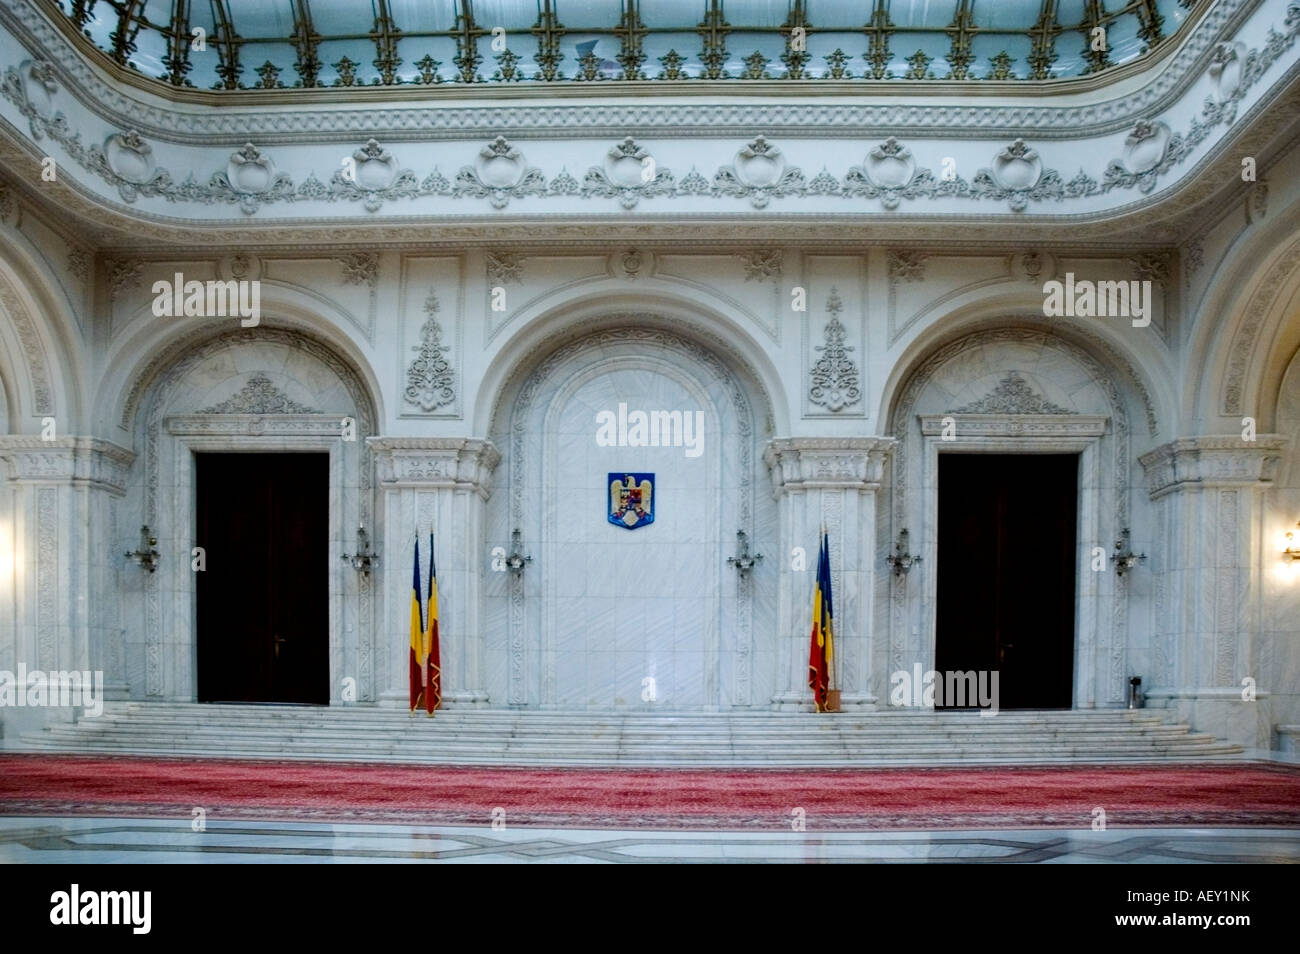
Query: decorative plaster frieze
361	268
505	267
1215	461
834	381
499	173
258	396
758	173
38	366
1012	395
762	264
123	273
430	378
1154	267
78	262
804	463
906	266
428	462
629	174
1045	425
75	460
310	424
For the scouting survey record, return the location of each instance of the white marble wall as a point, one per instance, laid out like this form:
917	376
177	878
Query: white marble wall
603	608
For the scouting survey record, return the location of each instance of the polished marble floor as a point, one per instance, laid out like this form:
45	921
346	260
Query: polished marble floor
138	840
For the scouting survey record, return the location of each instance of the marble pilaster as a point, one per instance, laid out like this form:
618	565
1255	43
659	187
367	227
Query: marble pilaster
830	482
436	485
1211	490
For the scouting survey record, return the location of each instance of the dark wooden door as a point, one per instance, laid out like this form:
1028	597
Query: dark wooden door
263	601
1006	573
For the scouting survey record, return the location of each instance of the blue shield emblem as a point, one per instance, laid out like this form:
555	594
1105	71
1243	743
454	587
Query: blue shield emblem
631	500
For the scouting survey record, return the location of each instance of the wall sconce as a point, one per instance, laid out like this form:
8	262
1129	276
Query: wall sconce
1292	552
902	561
147	555
516	561
1124	558
364	560
742	561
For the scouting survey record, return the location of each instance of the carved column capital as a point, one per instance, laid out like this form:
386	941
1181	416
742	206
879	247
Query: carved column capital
804	463
75	460
428	462
1214	461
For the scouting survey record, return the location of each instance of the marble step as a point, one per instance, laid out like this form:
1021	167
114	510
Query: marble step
577	737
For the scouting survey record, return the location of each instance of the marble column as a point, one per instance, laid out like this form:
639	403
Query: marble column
831	482
59	558
1208	494
437	485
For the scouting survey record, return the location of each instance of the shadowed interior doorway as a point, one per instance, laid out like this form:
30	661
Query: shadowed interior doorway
1006	573
263	599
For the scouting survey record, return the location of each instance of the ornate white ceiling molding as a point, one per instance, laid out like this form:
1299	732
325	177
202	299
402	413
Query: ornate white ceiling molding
125	105
1017	174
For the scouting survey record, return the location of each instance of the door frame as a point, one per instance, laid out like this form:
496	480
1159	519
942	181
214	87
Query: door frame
1028	434
177	527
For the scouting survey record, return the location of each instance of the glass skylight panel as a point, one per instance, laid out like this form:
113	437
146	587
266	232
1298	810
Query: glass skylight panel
1122	40
674	13
1010	16
513	15
150	54
920	13
269	21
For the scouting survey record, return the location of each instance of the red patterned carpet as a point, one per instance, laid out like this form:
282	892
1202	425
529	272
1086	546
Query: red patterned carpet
832	799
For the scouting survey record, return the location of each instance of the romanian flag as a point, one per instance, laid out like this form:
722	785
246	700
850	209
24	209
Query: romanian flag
433	674
418	654
821	650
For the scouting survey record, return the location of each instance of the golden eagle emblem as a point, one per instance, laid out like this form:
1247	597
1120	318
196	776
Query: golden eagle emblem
631	500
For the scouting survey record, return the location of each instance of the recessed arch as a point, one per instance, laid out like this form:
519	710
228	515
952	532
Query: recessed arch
560	319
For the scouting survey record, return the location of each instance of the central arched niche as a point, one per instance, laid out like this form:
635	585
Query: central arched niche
603	609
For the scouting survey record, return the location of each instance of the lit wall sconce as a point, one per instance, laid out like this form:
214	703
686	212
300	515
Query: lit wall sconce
1292	552
902	561
1124	558
147	556
743	561
516	561
364	560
